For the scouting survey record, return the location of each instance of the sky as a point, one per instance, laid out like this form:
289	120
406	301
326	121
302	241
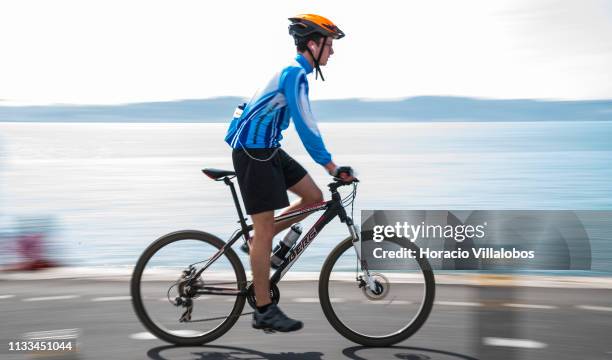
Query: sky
109	52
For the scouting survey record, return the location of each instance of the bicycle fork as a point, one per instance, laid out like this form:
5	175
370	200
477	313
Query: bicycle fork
365	279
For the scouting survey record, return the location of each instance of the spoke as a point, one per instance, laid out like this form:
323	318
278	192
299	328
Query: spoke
178	272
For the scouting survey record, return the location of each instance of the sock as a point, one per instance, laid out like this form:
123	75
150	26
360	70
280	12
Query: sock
262	309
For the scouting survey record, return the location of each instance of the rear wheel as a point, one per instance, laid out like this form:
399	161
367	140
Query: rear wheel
394	310
165	293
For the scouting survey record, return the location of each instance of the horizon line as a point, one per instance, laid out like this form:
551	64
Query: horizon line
10	103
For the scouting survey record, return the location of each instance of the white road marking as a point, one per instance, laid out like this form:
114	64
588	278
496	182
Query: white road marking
148	336
516	343
316	300
143	336
59	297
185	332
402	302
53	334
6	296
594	308
458	303
112	298
306	300
530	306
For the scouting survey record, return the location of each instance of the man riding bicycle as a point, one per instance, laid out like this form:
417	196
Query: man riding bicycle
265	172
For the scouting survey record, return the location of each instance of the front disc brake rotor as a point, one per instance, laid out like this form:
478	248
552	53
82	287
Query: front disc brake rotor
382	287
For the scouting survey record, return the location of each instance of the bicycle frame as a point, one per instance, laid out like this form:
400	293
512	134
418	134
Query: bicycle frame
331	208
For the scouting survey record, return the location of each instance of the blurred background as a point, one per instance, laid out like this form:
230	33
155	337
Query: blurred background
109	111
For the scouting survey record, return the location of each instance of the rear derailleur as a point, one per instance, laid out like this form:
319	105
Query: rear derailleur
187	291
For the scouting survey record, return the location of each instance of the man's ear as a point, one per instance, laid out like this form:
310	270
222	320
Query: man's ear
311	45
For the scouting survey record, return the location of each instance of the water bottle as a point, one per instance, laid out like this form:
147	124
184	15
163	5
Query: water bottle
239	110
283	247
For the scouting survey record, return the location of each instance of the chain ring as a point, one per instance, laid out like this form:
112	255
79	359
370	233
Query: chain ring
274	295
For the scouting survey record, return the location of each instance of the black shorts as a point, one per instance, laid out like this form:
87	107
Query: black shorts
264	184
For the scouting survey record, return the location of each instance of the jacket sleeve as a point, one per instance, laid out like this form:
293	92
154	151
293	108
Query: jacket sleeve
305	124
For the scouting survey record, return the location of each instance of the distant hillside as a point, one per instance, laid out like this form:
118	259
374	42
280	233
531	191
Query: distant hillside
423	108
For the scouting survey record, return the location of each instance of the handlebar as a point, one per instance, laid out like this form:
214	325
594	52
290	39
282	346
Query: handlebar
338	182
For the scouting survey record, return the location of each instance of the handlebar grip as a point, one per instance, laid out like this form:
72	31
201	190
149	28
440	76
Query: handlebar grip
343	169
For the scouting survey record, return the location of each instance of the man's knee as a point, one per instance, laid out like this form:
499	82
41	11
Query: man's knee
263	224
314	196
264	232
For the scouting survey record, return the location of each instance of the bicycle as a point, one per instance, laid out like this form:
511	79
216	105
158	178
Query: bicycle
204	269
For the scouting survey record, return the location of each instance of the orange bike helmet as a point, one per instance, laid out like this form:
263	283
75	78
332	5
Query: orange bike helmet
304	25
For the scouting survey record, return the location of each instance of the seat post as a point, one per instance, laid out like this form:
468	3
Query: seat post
243	224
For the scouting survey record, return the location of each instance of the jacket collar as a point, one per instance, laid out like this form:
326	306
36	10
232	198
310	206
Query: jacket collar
304	63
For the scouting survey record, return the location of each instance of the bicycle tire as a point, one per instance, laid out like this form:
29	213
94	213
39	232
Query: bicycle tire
351	335
137	300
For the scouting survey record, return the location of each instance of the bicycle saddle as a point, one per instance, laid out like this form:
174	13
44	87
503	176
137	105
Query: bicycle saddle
217	173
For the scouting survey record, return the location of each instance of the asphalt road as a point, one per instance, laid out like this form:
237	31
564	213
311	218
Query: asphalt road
468	322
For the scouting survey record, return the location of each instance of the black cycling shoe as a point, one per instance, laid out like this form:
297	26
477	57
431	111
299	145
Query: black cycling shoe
273	319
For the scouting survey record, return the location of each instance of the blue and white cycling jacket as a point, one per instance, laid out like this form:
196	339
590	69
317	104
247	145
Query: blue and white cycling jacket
267	114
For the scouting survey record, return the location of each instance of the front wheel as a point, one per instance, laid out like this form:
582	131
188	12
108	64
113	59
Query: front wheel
393	311
176	306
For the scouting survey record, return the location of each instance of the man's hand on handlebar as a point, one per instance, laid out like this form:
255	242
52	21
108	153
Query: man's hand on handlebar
345	173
